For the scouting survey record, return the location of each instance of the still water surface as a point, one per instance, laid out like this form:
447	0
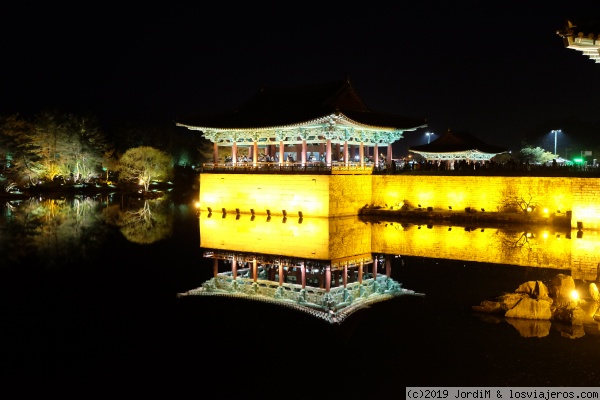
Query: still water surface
88	298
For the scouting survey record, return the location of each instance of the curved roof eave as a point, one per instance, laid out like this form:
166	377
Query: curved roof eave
312	122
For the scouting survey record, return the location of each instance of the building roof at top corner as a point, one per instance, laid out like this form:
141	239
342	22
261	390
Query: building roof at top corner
284	106
453	142
586	26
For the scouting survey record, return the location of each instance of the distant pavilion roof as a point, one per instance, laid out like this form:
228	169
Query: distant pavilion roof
457	146
582	36
314	112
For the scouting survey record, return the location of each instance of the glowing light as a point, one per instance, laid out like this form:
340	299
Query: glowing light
197	204
529	209
575	295
545	211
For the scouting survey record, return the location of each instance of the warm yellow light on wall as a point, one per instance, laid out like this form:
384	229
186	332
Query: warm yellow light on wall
575	296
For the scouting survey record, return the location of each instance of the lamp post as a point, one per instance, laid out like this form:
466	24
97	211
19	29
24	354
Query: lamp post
555	133
428	136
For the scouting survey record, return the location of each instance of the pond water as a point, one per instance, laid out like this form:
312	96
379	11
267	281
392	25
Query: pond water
89	298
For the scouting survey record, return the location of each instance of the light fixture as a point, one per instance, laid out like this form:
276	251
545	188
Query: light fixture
237	211
210	210
575	296
269	213
284	213
224	210
300	214
252	211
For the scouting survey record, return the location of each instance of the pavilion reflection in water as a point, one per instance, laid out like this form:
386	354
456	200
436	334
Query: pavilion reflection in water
322	266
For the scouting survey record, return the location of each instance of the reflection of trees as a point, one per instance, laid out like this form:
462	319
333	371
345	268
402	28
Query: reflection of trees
142	222
518	244
55	231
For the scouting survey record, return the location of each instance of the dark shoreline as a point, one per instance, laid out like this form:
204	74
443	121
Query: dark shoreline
465	218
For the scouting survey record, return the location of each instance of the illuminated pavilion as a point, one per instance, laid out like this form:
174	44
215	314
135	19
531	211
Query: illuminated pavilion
582	37
457	146
306	150
320	124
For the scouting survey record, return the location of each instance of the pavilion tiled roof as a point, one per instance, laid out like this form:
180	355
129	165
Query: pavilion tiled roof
285	106
454	142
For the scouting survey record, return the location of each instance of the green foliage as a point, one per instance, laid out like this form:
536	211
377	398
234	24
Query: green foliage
535	155
52	144
144	164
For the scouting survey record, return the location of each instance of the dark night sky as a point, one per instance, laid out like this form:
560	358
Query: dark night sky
495	69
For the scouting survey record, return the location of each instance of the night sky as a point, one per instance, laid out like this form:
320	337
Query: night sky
495	69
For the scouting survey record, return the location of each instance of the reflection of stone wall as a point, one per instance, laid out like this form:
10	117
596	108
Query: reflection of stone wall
579	195
536	248
314	238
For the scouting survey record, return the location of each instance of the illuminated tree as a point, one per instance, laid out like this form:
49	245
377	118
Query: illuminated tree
144	164
15	148
535	155
86	146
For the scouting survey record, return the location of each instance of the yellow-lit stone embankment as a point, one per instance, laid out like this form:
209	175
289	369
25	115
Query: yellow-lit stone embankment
345	195
554	195
313	195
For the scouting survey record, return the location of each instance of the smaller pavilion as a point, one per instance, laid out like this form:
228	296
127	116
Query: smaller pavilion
452	147
581	37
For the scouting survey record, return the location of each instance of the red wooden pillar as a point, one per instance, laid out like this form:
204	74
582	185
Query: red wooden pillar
303	269
375	268
345	279
376	155
280	274
281	152
389	153
388	266
304	150
327	278
361	152
215	153
360	272
328	153
254	270
234	153
215	267
346	153
254	153
234	268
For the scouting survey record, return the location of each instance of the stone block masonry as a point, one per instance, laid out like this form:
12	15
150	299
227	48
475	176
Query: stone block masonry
346	195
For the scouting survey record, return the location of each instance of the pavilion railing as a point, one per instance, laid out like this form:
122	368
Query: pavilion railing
309	167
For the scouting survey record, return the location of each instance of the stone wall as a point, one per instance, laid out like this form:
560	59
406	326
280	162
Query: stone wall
493	194
345	195
313	195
